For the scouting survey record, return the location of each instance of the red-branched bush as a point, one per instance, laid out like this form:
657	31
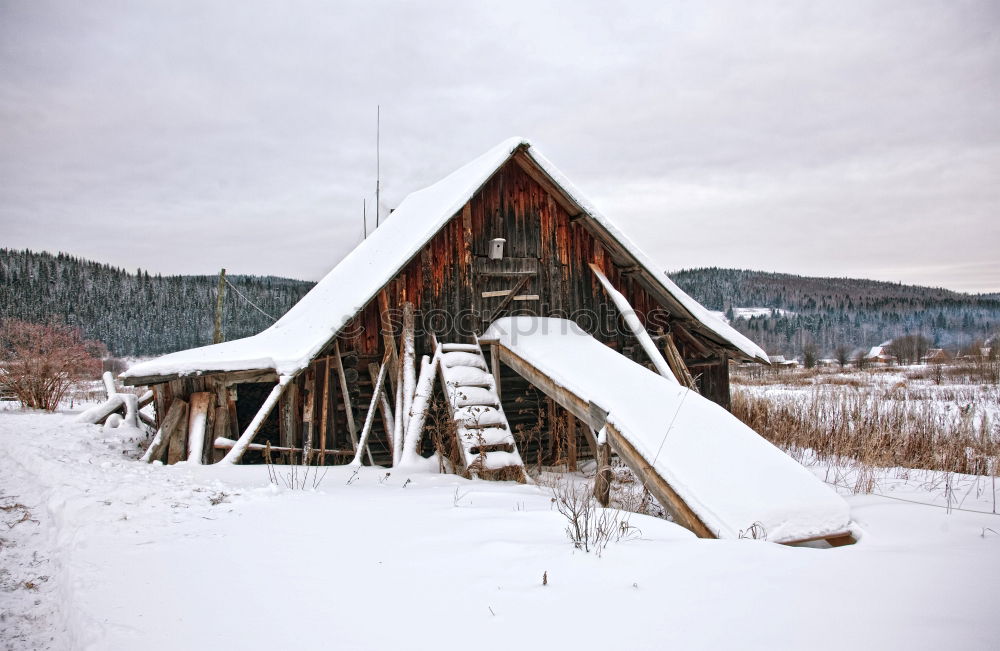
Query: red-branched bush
39	363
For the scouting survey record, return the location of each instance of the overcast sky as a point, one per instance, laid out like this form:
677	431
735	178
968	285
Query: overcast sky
839	139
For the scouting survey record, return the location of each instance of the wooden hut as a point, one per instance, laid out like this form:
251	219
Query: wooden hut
505	234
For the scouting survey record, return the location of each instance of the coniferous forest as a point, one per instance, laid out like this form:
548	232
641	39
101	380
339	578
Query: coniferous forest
830	312
140	313
137	313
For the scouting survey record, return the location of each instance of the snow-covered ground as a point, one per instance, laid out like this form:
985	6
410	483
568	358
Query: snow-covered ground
114	554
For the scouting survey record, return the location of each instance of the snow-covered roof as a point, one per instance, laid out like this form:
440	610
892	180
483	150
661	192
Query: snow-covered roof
724	471
289	344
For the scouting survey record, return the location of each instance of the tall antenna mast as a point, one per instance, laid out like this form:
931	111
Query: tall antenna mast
364	216
378	159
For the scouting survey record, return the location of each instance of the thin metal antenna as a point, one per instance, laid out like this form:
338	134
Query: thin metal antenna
364	216
378	159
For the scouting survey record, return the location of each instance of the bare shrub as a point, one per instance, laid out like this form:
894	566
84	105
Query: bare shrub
590	526
292	476
41	362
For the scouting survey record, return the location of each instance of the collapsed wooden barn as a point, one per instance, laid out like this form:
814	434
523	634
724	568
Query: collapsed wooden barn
336	378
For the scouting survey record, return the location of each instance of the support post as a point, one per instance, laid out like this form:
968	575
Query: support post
308	415
287	420
634	325
236	453
385	409
176	414
220	293
198	432
370	416
323	376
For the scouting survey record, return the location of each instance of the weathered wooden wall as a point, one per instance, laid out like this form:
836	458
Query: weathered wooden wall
547	255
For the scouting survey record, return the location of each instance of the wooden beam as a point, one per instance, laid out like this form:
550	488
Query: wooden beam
202	402
177	446
582	409
223	443
385	409
495	367
507	299
570	441
370	416
691	340
287	410
230	377
633	323
540	177
220	429
388	338
308	414
673	357
657	485
176	414
345	394
324	397
235	454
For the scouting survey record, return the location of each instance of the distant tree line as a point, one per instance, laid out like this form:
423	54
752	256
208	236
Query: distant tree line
836	317
136	313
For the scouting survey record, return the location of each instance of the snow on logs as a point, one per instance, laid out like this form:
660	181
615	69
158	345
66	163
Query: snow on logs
127	404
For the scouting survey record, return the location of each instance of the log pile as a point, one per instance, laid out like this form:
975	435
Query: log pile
124	406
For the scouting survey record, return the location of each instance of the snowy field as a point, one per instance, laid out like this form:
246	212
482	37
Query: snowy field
98	551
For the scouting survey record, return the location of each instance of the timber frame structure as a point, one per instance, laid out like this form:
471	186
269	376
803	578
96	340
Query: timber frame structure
312	407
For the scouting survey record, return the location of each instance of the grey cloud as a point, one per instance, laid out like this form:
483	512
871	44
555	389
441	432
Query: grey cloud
821	138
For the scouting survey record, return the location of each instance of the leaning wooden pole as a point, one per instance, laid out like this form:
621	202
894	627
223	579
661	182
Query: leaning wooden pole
370	417
236	453
177	413
635	326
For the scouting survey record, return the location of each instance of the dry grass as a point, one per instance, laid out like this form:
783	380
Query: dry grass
950	431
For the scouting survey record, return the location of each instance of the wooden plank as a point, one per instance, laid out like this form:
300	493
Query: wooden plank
571	459
385	409
308	415
230	377
202	402
177	448
286	418
159	403
539	176
657	485
503	303
234	421
676	363
345	395
582	409
370	416
161	441
499	292
495	368
632	321
246	438
526	297
223	443
220	429
388	338
323	380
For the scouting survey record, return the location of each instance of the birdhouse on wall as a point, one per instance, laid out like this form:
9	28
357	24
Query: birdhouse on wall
496	248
